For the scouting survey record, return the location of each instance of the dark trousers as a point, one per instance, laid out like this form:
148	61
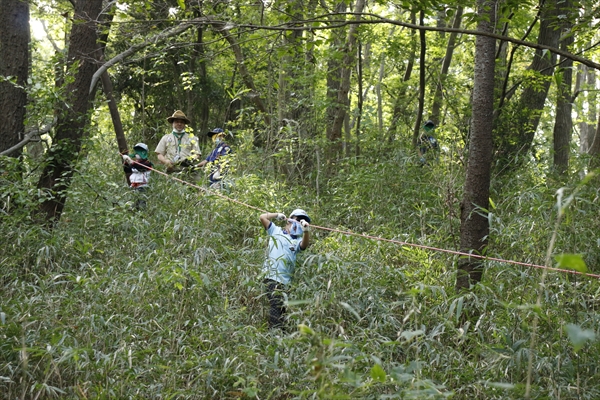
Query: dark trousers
140	198
275	292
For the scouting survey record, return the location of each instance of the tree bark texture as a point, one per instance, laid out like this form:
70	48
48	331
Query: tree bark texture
474	227
422	67
14	63
292	64
107	87
73	118
342	103
563	125
334	76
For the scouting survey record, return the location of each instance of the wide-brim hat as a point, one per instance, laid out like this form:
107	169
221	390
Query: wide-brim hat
178	115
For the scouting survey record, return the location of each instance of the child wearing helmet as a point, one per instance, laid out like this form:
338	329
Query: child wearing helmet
137	169
218	159
278	269
427	142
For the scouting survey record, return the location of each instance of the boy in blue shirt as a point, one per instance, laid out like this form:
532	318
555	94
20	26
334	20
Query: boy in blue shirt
278	268
217	159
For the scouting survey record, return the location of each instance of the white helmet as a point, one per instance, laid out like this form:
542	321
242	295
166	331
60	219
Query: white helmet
301	214
141	145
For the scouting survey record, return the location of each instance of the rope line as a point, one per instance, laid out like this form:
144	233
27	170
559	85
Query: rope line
370	237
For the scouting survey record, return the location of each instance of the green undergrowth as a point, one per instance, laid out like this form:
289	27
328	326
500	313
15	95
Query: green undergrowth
166	302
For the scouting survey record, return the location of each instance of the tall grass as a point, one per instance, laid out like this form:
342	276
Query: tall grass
167	302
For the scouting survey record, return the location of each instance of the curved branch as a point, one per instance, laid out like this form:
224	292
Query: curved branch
29	136
155	39
303	26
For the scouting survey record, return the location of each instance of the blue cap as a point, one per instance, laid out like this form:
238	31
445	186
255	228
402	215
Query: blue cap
214	132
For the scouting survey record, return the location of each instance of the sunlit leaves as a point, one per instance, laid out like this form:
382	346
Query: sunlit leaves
378	373
571	261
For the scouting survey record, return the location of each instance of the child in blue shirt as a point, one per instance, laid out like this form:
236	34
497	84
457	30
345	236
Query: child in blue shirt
217	159
278	268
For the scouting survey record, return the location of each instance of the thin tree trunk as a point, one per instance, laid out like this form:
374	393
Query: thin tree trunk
439	87
114	113
198	67
334	67
594	150
474	226
360	99
400	102
379	84
335	131
586	80
107	87
563	124
423	52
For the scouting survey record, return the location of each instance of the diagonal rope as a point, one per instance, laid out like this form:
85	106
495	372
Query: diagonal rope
370	237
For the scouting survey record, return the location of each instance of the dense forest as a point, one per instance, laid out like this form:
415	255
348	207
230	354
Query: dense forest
447	154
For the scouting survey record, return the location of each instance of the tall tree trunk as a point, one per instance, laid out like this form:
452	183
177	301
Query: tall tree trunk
198	68
359	73
73	119
422	67
293	90
379	84
334	133
292	65
588	99
107	87
14	62
400	103
474	227
563	124
334	68
439	87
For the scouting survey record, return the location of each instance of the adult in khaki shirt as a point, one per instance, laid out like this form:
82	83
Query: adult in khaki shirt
178	149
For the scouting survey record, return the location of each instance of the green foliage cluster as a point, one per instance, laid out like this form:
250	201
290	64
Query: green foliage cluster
166	302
